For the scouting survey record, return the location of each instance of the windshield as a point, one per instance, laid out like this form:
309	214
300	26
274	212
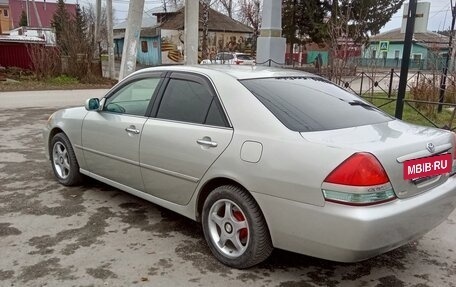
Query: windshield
307	104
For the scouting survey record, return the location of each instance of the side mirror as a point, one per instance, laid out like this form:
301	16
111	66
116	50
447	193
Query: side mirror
92	104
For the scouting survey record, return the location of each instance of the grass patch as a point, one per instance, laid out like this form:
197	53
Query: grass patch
410	115
63	80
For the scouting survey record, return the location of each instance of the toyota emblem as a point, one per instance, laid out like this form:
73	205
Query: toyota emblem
430	147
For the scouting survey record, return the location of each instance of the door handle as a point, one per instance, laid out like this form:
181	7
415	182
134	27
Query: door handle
208	143
132	129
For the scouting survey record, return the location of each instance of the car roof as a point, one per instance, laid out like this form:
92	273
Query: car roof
240	72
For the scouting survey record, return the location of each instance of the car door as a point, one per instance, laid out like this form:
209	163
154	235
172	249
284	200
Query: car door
110	137
186	134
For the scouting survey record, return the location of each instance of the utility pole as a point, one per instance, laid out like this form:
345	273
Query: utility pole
112	72
132	33
411	14
447	62
97	24
191	32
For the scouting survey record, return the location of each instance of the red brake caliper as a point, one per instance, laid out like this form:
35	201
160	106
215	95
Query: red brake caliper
244	232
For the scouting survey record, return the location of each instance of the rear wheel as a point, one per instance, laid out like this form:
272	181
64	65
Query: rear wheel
64	162
234	227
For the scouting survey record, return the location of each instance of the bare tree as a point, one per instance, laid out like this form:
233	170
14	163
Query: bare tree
46	60
228	7
173	4
206	5
205	20
100	43
250	14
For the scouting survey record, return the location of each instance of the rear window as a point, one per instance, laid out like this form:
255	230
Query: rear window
306	104
225	56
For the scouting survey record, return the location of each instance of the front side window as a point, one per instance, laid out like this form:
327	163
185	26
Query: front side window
189	101
133	98
306	104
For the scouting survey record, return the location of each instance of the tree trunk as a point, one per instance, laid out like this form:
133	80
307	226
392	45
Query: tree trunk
204	46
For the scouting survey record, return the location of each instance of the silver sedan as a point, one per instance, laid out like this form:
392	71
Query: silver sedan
263	158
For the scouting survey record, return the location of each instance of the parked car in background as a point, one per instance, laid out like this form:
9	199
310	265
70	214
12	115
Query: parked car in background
231	59
263	158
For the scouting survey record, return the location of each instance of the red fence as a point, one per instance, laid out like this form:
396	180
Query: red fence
15	55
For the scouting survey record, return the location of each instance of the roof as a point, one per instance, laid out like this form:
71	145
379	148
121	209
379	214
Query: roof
4	2
240	72
147	21
149	32
45	10
428	39
21	39
217	21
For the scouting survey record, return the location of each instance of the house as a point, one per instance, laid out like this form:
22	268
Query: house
309	52
149	48
5	22
45	9
149	52
148	21
429	50
167	37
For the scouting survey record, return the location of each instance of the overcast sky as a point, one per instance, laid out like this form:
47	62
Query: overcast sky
439	17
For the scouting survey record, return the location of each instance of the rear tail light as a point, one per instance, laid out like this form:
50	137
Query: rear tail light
359	180
239	62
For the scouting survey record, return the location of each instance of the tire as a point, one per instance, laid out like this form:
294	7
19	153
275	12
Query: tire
238	238
63	161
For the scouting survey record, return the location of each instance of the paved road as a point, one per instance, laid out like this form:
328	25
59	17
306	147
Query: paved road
96	235
47	99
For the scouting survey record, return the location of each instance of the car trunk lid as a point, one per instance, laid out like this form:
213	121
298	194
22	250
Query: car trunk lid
393	143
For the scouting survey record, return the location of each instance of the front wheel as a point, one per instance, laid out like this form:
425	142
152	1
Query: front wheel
64	162
234	227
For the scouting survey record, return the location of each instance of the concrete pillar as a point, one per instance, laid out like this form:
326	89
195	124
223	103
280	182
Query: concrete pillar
270	44
191	32
132	33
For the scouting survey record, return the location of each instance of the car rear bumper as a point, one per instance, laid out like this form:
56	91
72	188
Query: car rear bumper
350	234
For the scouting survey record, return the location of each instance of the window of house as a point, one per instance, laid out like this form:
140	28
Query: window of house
5	13
417	57
144	47
396	54
374	54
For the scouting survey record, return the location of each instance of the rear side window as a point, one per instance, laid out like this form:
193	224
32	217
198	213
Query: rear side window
189	101
307	104
244	57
